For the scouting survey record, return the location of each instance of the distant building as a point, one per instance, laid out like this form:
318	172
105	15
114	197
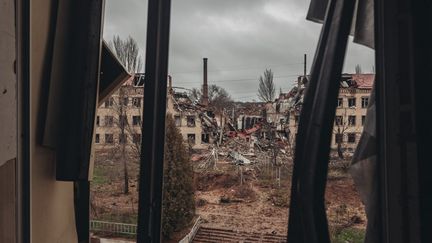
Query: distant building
350	116
121	112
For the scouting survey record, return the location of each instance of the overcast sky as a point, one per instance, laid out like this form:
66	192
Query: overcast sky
241	38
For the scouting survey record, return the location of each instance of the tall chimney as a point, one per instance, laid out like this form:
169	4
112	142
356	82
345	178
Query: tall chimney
169	82
205	98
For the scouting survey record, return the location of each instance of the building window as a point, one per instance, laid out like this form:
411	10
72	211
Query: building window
339	102
122	138
204	138
351	120
109	138
136	120
123	120
109	121
296	120
339	138
136	138
191	121
136	102
97	121
125	101
338	120
351	102
97	138
363	120
351	137
109	102
364	102
191	138
177	120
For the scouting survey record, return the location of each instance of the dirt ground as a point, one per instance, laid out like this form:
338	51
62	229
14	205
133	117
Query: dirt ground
257	204
258	212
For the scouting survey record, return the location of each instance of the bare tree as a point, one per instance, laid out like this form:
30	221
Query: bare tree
358	69
266	88
219	102
219	98
127	51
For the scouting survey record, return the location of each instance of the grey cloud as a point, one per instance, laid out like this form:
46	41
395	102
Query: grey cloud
241	38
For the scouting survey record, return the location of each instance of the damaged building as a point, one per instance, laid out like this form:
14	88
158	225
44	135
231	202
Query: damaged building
350	117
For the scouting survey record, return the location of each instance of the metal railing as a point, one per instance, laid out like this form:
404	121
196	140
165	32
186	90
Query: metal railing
111	227
189	237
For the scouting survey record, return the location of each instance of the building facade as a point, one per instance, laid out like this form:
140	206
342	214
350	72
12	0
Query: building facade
352	103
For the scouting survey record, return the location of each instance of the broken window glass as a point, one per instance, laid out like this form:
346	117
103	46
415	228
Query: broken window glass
109	138
339	138
191	121
136	120
191	138
351	137
340	102
109	121
109	102
364	102
136	102
351	120
338	120
125	101
351	102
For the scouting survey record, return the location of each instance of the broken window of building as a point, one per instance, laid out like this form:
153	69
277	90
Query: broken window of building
97	138
340	102
109	138
351	137
205	138
191	121
339	138
109	102
136	102
109	121
125	101
136	120
97	121
351	120
122	138
123	120
351	102
364	102
177	121
363	120
191	138
338	120
136	138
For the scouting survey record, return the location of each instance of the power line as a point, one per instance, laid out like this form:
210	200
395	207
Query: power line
236	80
225	69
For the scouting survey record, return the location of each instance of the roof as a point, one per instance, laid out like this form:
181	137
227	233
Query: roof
364	81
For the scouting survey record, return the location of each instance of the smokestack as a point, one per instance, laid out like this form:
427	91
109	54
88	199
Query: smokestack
204	98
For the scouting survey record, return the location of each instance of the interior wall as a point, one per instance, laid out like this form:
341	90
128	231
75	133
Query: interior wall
52	212
8	121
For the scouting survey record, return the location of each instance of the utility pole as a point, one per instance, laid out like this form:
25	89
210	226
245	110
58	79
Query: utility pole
304	67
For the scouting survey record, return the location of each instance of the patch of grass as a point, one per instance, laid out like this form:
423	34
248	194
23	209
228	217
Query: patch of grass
99	176
348	235
280	197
